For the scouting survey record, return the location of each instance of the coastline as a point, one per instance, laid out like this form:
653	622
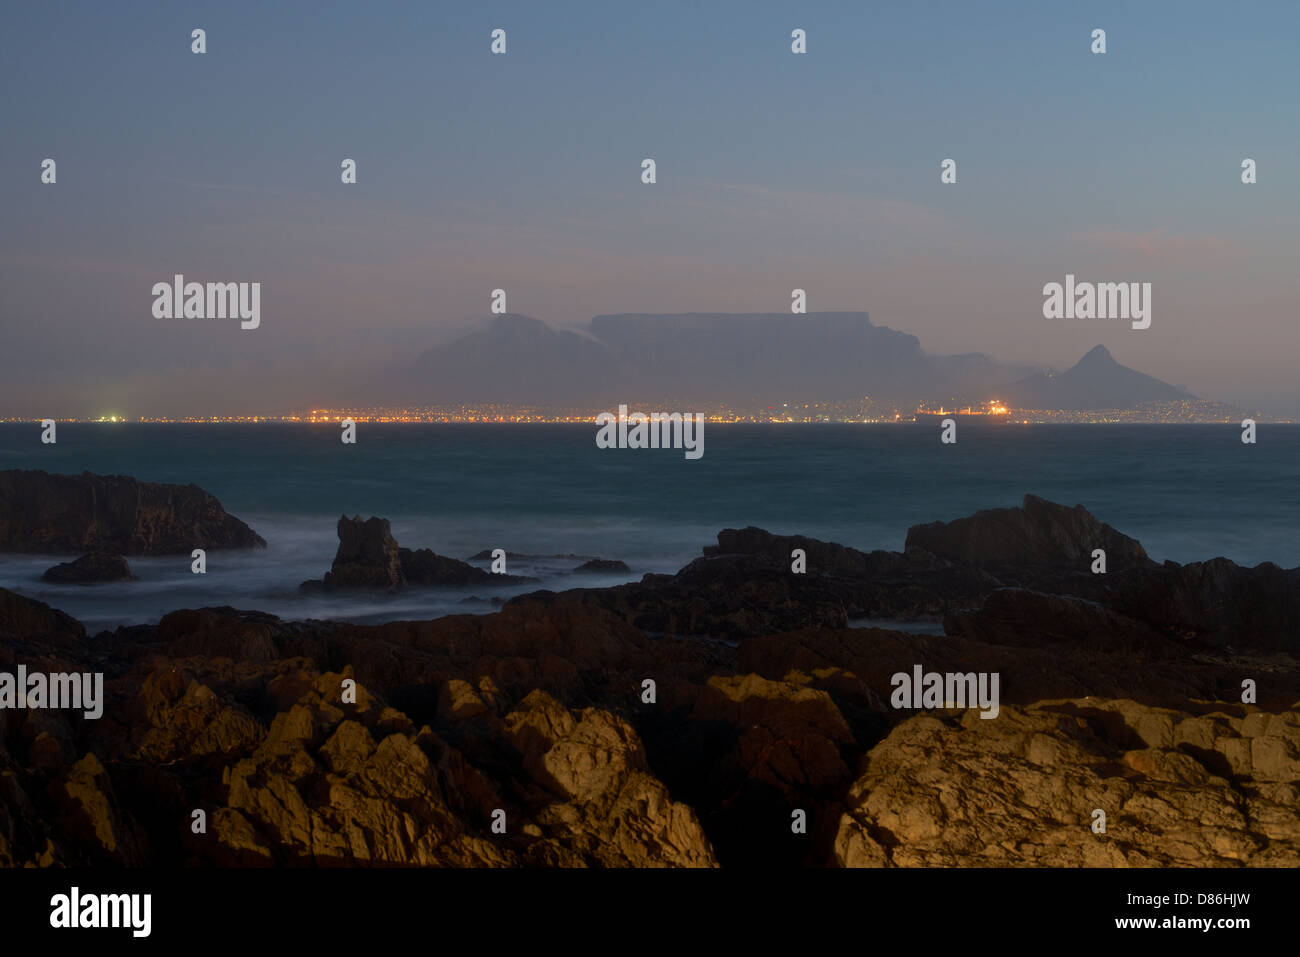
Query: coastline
314	743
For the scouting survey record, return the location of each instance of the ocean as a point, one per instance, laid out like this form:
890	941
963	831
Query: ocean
1187	492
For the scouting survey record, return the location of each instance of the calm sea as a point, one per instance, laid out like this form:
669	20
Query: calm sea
1186	492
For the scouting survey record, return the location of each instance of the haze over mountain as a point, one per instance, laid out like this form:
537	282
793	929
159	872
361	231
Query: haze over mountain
703	357
1096	381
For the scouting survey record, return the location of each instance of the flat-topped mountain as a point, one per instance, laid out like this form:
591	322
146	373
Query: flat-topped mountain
700	357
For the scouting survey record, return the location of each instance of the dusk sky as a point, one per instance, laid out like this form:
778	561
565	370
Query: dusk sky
522	171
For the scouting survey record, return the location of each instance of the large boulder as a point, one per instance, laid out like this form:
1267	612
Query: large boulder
367	556
92	569
1211	787
1039	533
73	514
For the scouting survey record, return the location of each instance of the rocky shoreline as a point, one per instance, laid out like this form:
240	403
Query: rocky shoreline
693	719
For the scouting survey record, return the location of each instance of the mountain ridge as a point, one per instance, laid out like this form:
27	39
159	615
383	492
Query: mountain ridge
702	357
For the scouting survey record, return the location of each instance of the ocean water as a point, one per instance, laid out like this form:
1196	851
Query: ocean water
1187	492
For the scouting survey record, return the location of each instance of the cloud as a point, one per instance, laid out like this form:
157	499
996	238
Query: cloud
1161	246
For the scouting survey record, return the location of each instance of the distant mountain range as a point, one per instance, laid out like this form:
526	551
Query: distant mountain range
740	359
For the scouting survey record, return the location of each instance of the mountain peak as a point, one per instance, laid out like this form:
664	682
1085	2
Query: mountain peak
1096	381
1097	354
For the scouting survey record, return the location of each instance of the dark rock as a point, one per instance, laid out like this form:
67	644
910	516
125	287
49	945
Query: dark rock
603	565
1016	616
27	618
89	570
43	512
1039	533
424	567
538	710
368	557
744	586
1218	602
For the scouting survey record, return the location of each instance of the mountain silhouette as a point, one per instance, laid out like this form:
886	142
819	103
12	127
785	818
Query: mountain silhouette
701	357
1096	381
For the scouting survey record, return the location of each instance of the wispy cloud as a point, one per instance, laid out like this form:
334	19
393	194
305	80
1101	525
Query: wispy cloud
1161	246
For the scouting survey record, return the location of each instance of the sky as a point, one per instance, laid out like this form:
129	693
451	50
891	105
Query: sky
522	171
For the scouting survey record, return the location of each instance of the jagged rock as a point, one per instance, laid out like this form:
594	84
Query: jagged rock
89	570
178	720
1039	533
43	512
744	586
537	711
89	810
369	557
1021	790
1218	602
27	618
612	810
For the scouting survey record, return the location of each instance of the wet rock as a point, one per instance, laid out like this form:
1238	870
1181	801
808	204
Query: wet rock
424	567
602	565
368	557
89	570
43	512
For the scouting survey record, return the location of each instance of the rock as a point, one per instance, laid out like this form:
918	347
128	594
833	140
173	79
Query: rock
368	557
115	514
1017	616
602	565
218	633
27	618
423	567
1021	790
744	587
724	598
611	809
1038	533
1218	602
88	807
485	555
89	570
334	744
